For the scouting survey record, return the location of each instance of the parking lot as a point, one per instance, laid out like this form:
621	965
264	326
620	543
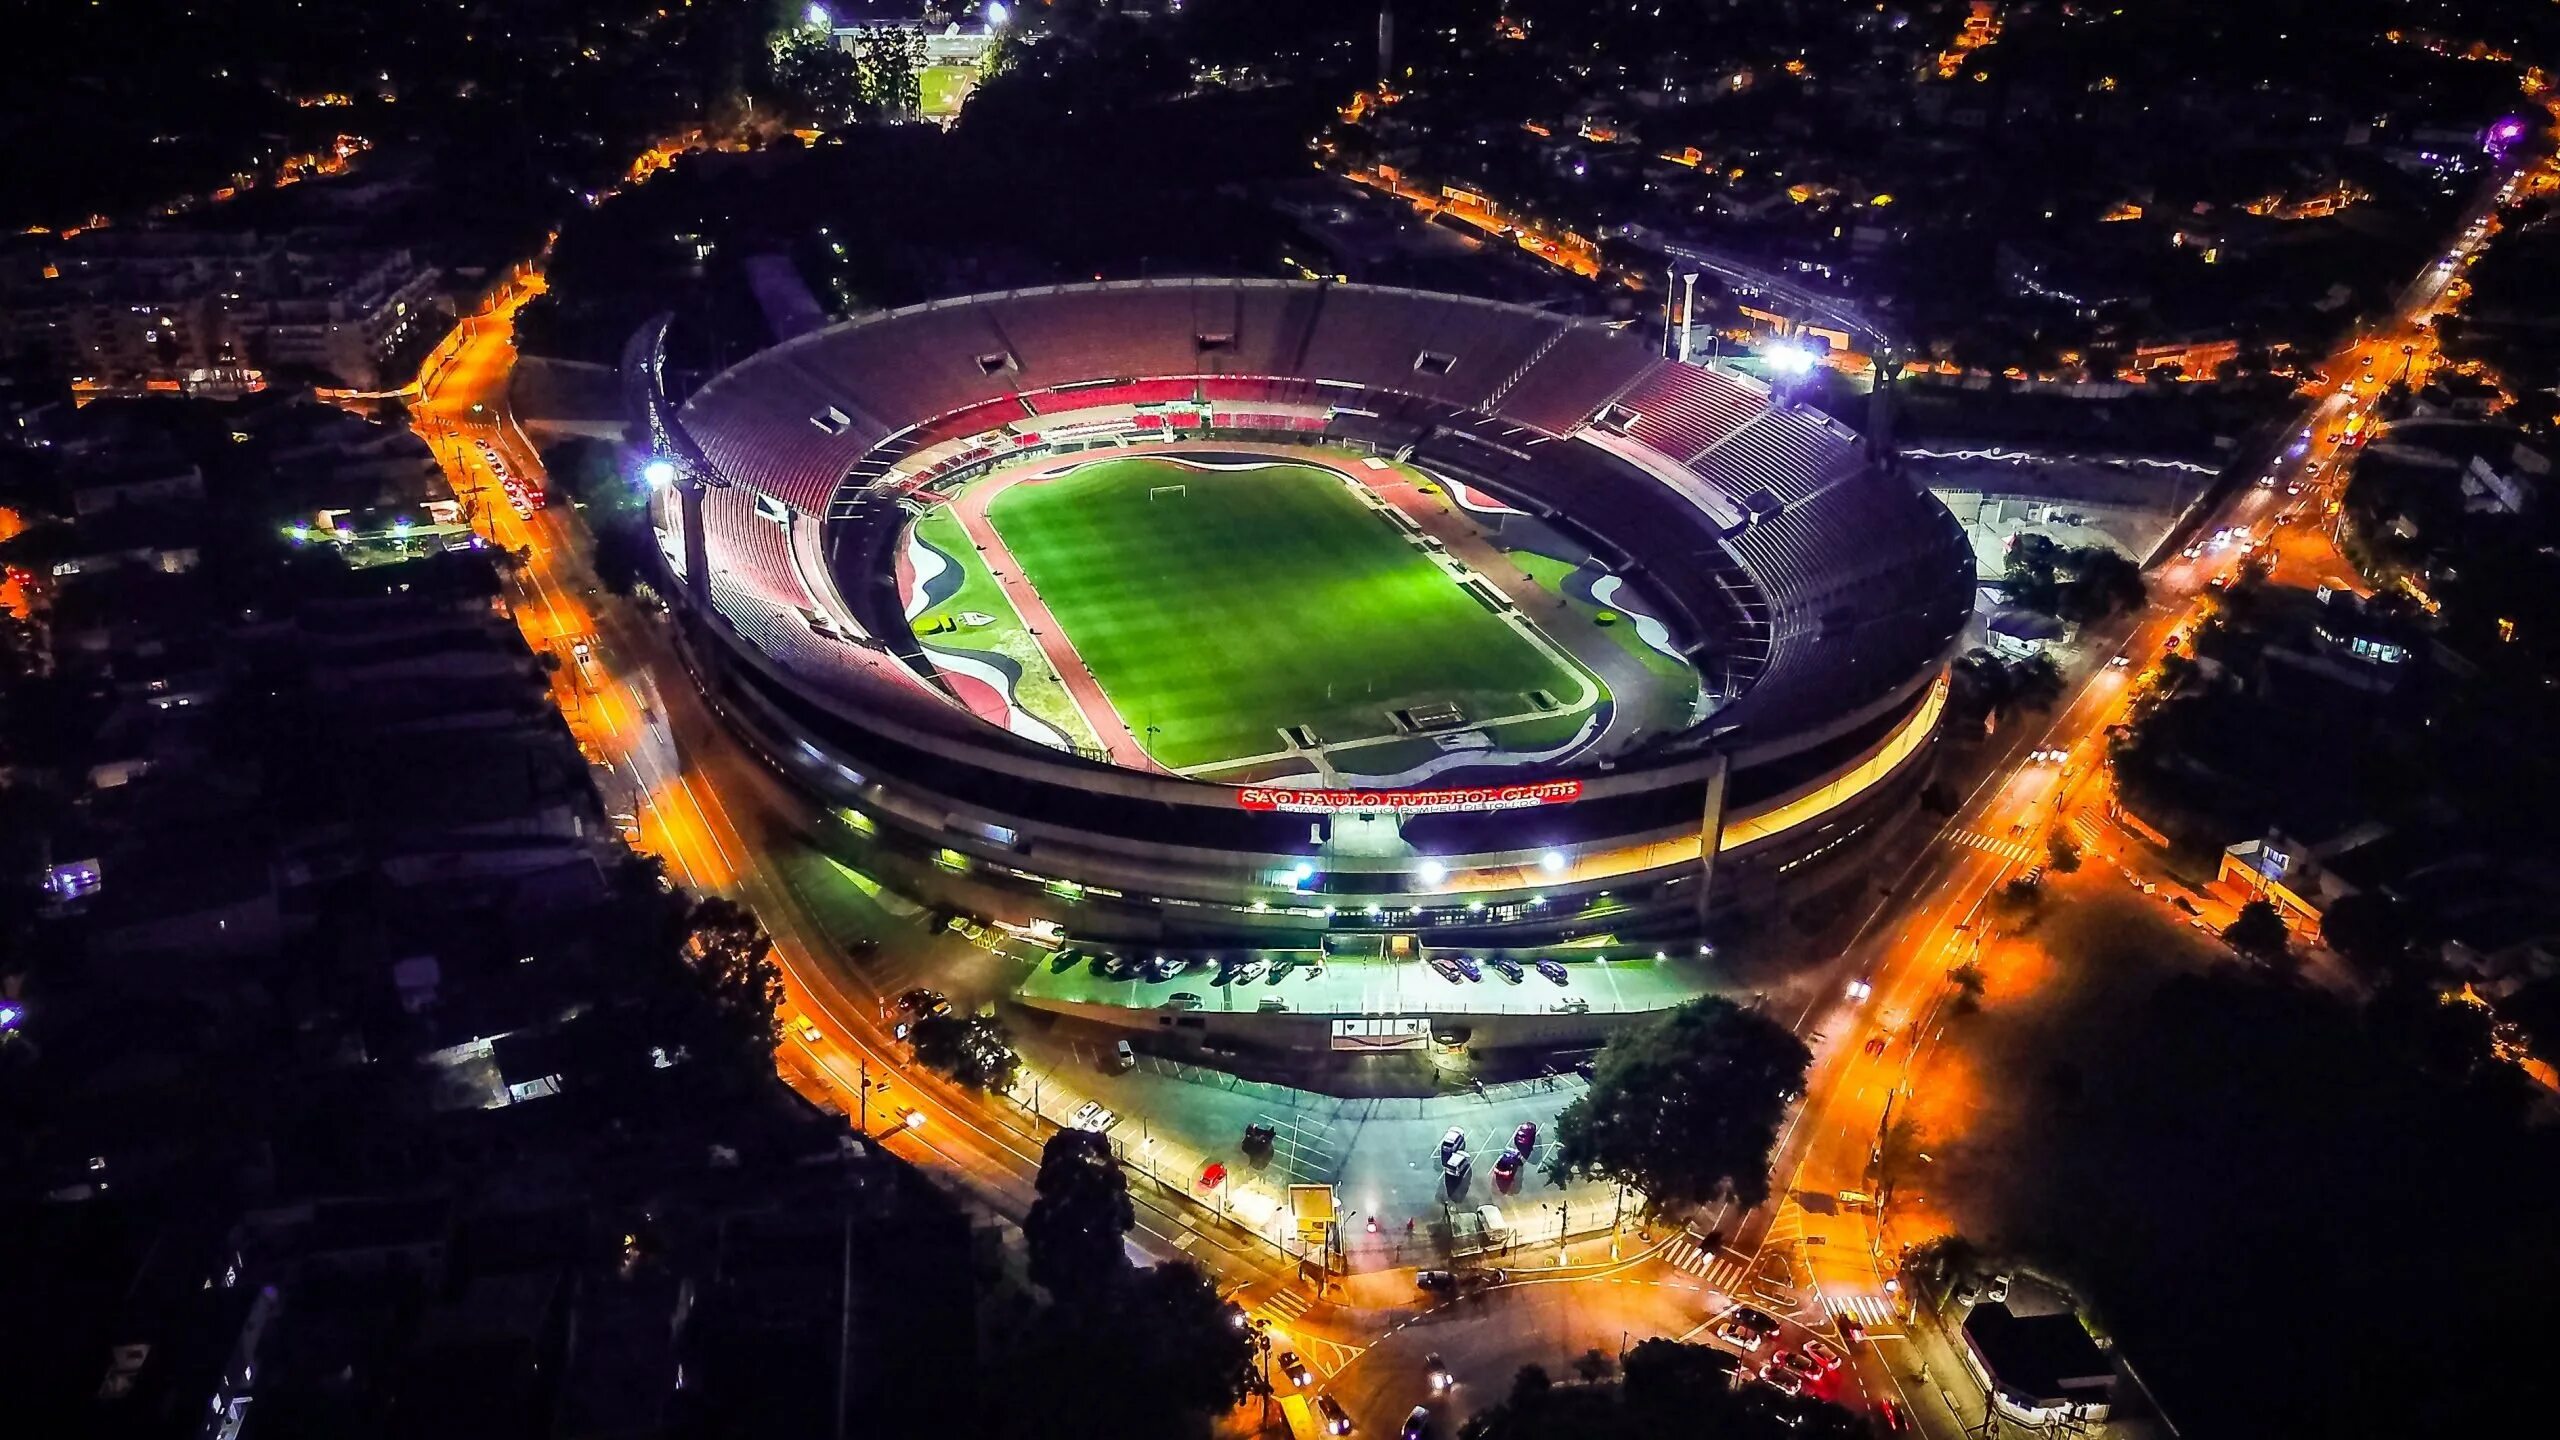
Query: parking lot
1303	982
1173	1119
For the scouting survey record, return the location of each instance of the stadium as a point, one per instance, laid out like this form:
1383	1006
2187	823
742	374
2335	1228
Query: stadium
1246	612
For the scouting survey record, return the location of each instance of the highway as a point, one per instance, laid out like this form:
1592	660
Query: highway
714	813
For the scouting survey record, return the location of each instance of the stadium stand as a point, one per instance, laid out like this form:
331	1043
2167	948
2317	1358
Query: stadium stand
1586	368
1680	410
1798	579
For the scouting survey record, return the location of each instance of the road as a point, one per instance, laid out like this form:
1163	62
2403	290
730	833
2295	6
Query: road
1934	918
714	813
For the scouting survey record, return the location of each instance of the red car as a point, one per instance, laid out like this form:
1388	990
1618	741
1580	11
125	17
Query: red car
1525	1139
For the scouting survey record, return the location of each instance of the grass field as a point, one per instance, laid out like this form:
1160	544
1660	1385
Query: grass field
1258	599
942	88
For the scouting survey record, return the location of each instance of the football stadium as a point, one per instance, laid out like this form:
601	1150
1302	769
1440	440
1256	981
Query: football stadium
1245	612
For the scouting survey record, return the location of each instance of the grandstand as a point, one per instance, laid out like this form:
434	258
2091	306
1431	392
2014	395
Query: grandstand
1815	594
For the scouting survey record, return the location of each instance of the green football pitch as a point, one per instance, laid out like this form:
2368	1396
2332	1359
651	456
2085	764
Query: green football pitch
1217	607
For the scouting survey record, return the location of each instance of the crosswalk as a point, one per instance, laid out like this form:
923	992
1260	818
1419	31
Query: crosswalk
2018	850
1284	1305
1872	1310
1720	1271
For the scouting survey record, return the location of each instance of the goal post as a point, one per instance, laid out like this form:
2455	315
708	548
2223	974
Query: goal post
1179	492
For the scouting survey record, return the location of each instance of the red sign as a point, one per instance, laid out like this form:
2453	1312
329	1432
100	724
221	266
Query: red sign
1488	797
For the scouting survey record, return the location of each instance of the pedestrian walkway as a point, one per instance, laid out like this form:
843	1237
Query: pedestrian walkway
1873	1311
1720	1271
2017	850
1284	1305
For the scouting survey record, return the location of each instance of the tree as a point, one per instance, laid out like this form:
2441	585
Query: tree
972	1049
891	64
1079	1217
1685	1107
2103	583
1667	1390
2258	931
814	75
1189	1354
2370	932
2061	853
1969	983
1155	1354
2035	682
732	961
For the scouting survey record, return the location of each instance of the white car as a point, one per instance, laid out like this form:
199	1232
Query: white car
1456	1139
1092	1116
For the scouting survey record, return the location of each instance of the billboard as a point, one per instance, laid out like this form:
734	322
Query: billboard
1382	1032
1483	797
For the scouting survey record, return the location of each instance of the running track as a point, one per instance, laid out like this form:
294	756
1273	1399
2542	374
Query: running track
970	509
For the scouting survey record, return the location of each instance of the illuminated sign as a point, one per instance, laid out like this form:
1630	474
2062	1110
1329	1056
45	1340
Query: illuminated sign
1410	802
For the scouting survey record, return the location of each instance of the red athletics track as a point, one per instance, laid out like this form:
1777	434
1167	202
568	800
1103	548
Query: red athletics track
970	509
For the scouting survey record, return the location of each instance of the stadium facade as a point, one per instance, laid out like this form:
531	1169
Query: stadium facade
1817	594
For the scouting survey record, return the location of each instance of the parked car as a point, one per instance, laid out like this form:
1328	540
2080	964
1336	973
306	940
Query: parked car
1246	972
923	1004
1525	1139
1434	1280
1447	968
1999	1290
1506	1167
1552	971
1507	969
1456	1139
1092	1116
1258	1138
1798	1362
1779	1378
1467	966
1454	1168
1294	1368
1182	1000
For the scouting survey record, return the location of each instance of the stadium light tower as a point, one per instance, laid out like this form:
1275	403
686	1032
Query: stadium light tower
819	19
660	473
1788	359
997	15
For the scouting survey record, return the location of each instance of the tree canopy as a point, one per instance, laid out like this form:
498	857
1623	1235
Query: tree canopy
2257	930
972	1049
2273	1143
1666	1391
1079	1218
1685	1106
